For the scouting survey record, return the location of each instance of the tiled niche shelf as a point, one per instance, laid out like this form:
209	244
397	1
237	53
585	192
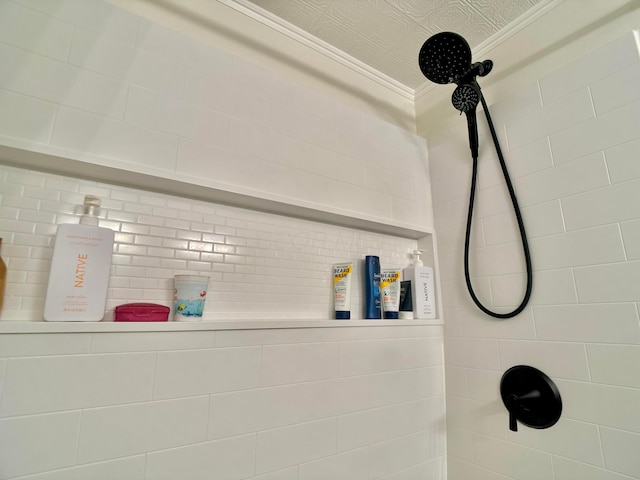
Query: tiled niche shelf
102	170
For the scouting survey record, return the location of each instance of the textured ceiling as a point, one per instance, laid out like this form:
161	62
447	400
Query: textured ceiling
387	35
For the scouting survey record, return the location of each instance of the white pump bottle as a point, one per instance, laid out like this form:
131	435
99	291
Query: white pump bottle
80	269
422	288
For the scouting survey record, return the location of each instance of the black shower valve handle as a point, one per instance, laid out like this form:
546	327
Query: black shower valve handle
514	404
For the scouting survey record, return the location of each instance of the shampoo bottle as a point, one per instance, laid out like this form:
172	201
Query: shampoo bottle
372	309
80	269
422	288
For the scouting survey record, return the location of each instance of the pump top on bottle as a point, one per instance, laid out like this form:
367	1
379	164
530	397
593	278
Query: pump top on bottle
90	209
417	261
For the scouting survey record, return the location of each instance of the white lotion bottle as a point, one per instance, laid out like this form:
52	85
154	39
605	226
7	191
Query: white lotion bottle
422	288
80	269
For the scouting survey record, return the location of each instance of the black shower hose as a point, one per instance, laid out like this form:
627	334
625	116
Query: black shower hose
516	208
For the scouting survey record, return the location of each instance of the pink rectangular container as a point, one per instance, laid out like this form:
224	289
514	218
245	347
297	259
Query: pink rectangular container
142	312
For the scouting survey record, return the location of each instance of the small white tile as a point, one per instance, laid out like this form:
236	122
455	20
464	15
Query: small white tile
161	41
433	469
333	397
622	161
542	219
464	413
279	448
25	117
253	410
606	205
615	282
294	153
352	465
459	470
93	15
248	138
498	260
130	468
398	454
385	423
34	31
592	403
551	287
150	341
318	189
64	83
406	385
621	451
456	381
556	359
38	443
386	355
207	162
631	239
299	363
605	362
160	112
482	385
3	369
528	159
558	115
106	55
231	458
473	353
290	473
591	246
581	175
598	63
41	384
604	131
566	469
197	372
36	344
115	140
512	460
517	104
120	431
597	323
617	89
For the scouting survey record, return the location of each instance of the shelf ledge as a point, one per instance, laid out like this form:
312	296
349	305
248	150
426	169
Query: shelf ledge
110	327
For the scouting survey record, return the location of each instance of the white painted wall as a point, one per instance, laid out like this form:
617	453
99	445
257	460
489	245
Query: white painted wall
571	137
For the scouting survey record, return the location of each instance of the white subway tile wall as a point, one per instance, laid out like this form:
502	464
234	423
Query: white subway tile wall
572	143
155	101
280	403
86	80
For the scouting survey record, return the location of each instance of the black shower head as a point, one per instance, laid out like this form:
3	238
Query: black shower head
445	58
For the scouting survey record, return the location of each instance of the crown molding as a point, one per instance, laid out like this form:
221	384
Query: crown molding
305	38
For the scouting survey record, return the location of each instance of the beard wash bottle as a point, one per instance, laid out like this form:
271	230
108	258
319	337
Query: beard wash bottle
80	269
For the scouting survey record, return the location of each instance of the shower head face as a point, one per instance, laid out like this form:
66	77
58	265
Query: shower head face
465	98
445	58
